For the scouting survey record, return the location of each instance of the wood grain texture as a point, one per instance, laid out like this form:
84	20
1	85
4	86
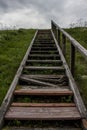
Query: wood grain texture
44	68
19	104
40	113
53	92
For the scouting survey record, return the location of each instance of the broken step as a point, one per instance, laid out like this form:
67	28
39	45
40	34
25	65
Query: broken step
49	78
27	80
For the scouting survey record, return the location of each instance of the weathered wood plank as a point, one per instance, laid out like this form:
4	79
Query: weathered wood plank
42	55
64	44
48	92
43	86
38	82
19	104
43	45
44	68
55	80
45	61
45	128
44	76
45	51
44	48
40	113
72	59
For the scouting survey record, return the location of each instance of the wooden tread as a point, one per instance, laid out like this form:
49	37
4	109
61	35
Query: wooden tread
42	55
19	104
40	113
44	68
44	48
48	92
44	61
38	128
44	76
42	87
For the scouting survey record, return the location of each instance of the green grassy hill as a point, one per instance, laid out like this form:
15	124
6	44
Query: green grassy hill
13	45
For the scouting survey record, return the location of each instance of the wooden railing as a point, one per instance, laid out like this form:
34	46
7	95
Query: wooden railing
61	37
73	43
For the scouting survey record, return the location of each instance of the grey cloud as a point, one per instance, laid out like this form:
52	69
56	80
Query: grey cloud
62	11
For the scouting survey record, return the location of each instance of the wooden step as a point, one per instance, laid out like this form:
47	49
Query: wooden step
19	104
44	61
44	52
40	128
51	48
43	45
40	113
46	42
44	48
43	40
51	56
60	87
44	68
38	82
42	55
48	78
44	76
48	92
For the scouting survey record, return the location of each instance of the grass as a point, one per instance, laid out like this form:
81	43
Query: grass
13	45
80	34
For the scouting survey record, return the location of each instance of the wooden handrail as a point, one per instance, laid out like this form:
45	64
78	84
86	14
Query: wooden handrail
73	41
74	44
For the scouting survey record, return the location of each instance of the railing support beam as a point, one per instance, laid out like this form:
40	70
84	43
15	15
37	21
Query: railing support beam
72	59
64	44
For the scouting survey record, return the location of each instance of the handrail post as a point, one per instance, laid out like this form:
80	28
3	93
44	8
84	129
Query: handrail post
64	44
59	37
72	59
52	25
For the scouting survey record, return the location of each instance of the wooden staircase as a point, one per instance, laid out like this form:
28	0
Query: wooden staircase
43	91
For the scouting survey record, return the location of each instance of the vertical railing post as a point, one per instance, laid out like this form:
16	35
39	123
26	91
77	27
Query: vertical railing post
52	25
72	59
59	37
64	44
57	34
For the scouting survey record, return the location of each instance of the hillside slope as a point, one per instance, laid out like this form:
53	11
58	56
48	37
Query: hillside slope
13	45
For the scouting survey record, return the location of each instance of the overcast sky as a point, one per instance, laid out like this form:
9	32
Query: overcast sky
38	13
